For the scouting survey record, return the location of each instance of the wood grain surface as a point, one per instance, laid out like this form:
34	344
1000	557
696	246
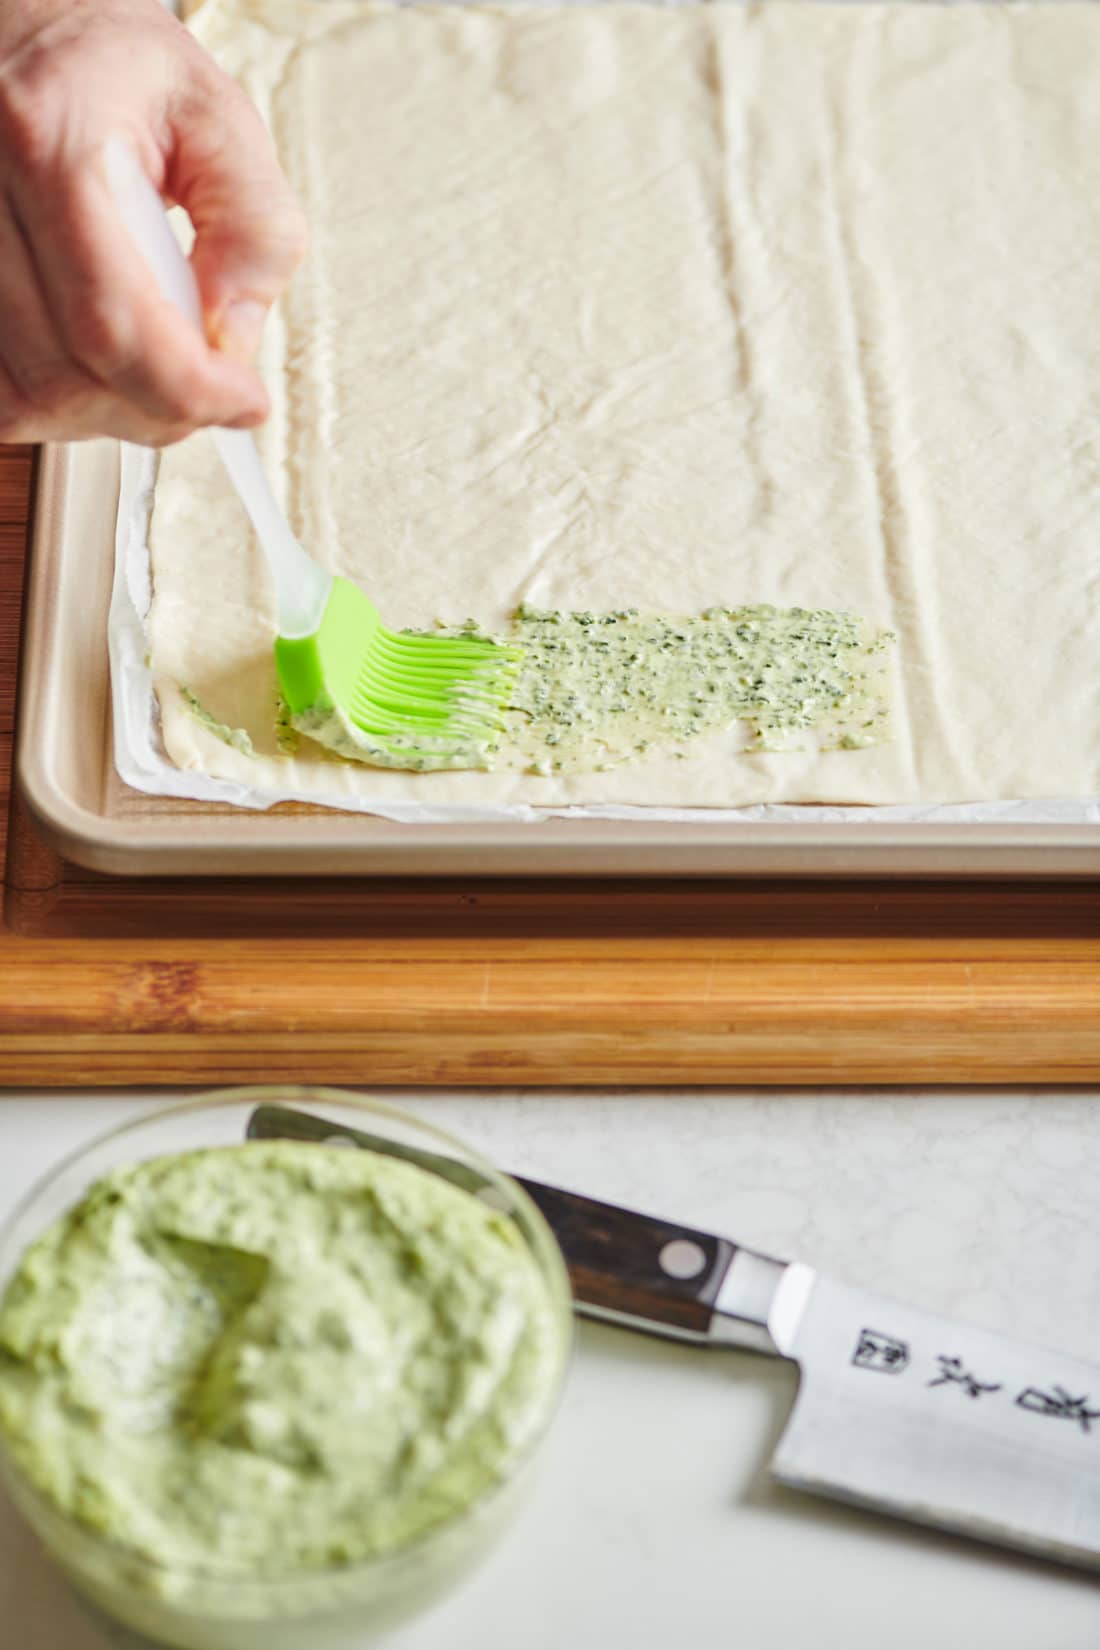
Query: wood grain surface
113	981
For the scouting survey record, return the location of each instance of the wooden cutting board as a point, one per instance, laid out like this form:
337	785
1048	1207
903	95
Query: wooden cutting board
497	982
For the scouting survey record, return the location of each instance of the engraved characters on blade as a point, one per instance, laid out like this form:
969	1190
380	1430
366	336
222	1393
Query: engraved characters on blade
953	1372
875	1350
1058	1403
888	1355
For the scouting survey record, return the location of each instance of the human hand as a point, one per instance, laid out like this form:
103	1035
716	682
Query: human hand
87	344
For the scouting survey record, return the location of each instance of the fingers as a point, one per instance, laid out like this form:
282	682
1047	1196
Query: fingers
44	393
87	343
250	232
112	322
38	372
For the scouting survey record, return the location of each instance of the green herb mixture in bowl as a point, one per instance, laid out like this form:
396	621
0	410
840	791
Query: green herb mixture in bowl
273	1393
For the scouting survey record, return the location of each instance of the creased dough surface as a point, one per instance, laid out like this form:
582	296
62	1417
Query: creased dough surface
672	307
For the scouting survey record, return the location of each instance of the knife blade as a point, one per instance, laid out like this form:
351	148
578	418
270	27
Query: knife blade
898	1409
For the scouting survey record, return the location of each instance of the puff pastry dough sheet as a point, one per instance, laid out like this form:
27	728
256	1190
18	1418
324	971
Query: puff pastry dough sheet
673	307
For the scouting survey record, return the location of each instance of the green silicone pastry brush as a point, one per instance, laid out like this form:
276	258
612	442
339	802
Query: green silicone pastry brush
386	697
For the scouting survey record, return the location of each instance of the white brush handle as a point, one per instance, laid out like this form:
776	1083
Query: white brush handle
301	586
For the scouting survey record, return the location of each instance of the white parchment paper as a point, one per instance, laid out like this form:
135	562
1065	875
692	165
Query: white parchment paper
142	763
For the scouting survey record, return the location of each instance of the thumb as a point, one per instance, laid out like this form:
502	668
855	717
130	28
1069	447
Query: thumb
250	232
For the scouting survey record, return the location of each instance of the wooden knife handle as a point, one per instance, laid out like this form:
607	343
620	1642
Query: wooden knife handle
662	1276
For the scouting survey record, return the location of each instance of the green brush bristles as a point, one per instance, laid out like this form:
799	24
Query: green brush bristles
393	699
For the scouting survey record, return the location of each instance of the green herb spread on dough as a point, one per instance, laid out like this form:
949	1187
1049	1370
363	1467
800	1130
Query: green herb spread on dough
600	689
597	690
286	735
238	738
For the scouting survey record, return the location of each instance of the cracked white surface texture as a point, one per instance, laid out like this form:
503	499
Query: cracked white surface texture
654	1522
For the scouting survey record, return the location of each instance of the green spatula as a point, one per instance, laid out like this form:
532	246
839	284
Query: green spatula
404	701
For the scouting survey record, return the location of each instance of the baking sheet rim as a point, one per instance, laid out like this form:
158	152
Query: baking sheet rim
271	842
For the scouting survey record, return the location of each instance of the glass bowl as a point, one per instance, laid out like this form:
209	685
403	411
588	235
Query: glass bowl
335	1609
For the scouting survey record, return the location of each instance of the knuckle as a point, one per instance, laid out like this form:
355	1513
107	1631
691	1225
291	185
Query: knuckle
174	406
181	399
99	332
32	115
274	239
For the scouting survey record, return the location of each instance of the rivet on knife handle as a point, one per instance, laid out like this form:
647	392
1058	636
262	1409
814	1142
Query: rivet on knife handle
632	1267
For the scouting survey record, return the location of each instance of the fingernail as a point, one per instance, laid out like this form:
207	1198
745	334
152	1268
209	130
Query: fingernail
241	327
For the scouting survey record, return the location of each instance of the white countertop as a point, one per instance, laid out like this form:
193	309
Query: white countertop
654	1523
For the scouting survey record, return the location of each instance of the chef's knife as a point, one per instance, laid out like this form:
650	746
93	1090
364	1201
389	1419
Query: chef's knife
897	1409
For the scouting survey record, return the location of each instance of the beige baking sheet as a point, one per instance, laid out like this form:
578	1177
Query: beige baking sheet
919	491
66	770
